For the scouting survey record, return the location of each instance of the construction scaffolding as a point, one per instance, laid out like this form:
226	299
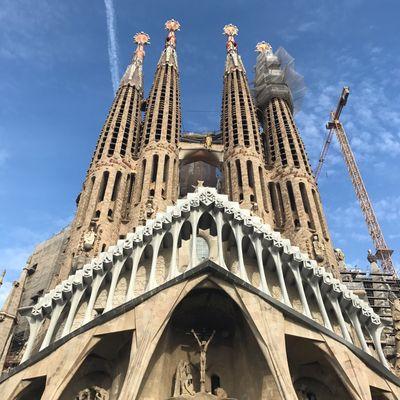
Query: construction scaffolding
275	76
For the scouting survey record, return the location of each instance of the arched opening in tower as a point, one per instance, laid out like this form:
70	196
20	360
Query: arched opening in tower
207	348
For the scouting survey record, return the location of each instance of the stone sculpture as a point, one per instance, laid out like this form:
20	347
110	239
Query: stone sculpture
89	238
221	394
319	249
184	379
203	345
93	393
340	258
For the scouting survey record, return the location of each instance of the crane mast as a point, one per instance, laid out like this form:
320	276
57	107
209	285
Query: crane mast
383	253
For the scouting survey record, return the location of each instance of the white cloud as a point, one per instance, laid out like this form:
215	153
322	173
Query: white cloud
4	156
112	43
388	209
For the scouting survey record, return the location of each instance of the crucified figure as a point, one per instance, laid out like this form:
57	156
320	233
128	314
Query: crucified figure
203	344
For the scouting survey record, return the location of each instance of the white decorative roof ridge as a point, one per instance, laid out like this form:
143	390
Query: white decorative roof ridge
322	283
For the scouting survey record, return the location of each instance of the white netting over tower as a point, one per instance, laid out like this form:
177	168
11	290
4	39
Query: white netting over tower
275	76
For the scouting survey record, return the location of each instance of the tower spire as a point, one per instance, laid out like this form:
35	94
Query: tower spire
233	60
243	151
168	56
134	72
264	48
158	144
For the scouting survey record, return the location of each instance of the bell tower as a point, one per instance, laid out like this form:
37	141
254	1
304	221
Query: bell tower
157	146
296	203
104	205
244	170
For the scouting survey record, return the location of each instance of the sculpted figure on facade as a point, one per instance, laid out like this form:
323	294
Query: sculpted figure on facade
184	379
319	249
150	207
340	258
221	394
89	239
93	393
208	142
203	346
373	261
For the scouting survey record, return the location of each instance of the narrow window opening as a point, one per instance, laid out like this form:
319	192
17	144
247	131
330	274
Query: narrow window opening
166	169
143	175
103	185
130	185
202	248
116	186
230	181
239	173
154	168
280	200
306	204
263	191
250	174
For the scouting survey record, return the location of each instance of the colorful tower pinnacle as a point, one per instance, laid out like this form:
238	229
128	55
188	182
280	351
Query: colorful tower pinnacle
105	202
243	153
295	198
158	144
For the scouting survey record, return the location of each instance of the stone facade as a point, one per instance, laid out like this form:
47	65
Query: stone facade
165	288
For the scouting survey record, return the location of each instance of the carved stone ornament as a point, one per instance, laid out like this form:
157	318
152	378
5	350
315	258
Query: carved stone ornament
150	207
221	393
184	379
340	258
264	47
89	238
93	393
319	249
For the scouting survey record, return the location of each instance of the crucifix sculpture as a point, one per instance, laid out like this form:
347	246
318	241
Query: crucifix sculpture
203	345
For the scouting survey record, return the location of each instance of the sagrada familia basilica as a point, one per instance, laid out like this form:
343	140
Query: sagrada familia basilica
197	266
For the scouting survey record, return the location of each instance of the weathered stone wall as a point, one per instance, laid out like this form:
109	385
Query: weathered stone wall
42	266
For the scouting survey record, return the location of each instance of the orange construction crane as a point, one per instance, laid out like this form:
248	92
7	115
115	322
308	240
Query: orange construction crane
383	253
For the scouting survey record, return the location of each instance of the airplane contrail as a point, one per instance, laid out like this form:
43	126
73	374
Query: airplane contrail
112	43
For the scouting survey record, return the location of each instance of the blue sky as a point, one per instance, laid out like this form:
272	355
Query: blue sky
56	88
